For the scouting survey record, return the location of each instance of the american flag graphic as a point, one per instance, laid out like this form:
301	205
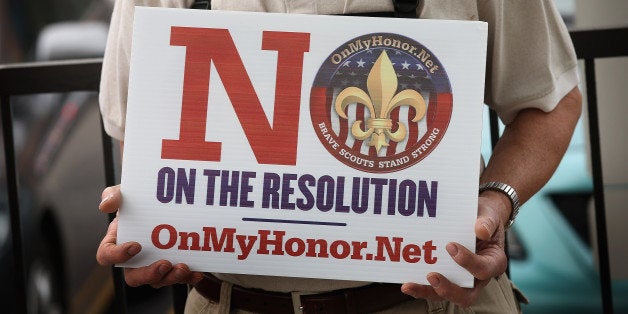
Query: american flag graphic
353	71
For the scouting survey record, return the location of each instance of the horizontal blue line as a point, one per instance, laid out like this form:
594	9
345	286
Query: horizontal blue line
302	222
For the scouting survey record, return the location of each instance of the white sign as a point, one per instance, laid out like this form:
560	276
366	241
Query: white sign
303	146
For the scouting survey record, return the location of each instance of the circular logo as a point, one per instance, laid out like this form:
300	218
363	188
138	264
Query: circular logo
381	102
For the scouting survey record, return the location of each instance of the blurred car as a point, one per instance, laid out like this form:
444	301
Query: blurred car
550	245
61	175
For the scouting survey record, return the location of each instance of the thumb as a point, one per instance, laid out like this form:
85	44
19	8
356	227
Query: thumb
488	221
111	199
485	227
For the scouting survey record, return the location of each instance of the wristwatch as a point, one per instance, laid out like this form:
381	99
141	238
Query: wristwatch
510	192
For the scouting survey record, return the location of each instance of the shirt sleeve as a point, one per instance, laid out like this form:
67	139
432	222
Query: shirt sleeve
531	60
114	81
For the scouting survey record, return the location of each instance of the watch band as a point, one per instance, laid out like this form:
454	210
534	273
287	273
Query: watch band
510	192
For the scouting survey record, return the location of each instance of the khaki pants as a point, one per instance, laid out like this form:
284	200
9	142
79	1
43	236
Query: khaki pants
500	296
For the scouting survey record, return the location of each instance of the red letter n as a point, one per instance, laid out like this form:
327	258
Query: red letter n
274	144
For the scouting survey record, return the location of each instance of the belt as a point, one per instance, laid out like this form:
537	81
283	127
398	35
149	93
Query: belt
371	298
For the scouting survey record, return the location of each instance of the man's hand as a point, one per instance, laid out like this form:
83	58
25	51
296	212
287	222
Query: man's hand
158	274
525	157
490	260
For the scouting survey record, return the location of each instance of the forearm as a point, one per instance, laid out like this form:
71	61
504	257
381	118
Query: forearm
531	148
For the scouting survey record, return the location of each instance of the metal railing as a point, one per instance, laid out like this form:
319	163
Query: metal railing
53	77
84	75
33	78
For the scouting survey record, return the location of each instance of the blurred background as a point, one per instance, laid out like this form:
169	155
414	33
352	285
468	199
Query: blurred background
60	172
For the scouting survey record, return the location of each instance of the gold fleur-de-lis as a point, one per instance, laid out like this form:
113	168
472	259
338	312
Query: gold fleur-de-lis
380	101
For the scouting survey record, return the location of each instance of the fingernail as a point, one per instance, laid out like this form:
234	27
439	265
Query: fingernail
104	200
410	293
452	249
163	269
179	273
133	249
434	280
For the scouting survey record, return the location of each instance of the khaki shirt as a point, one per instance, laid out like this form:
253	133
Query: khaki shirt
530	64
